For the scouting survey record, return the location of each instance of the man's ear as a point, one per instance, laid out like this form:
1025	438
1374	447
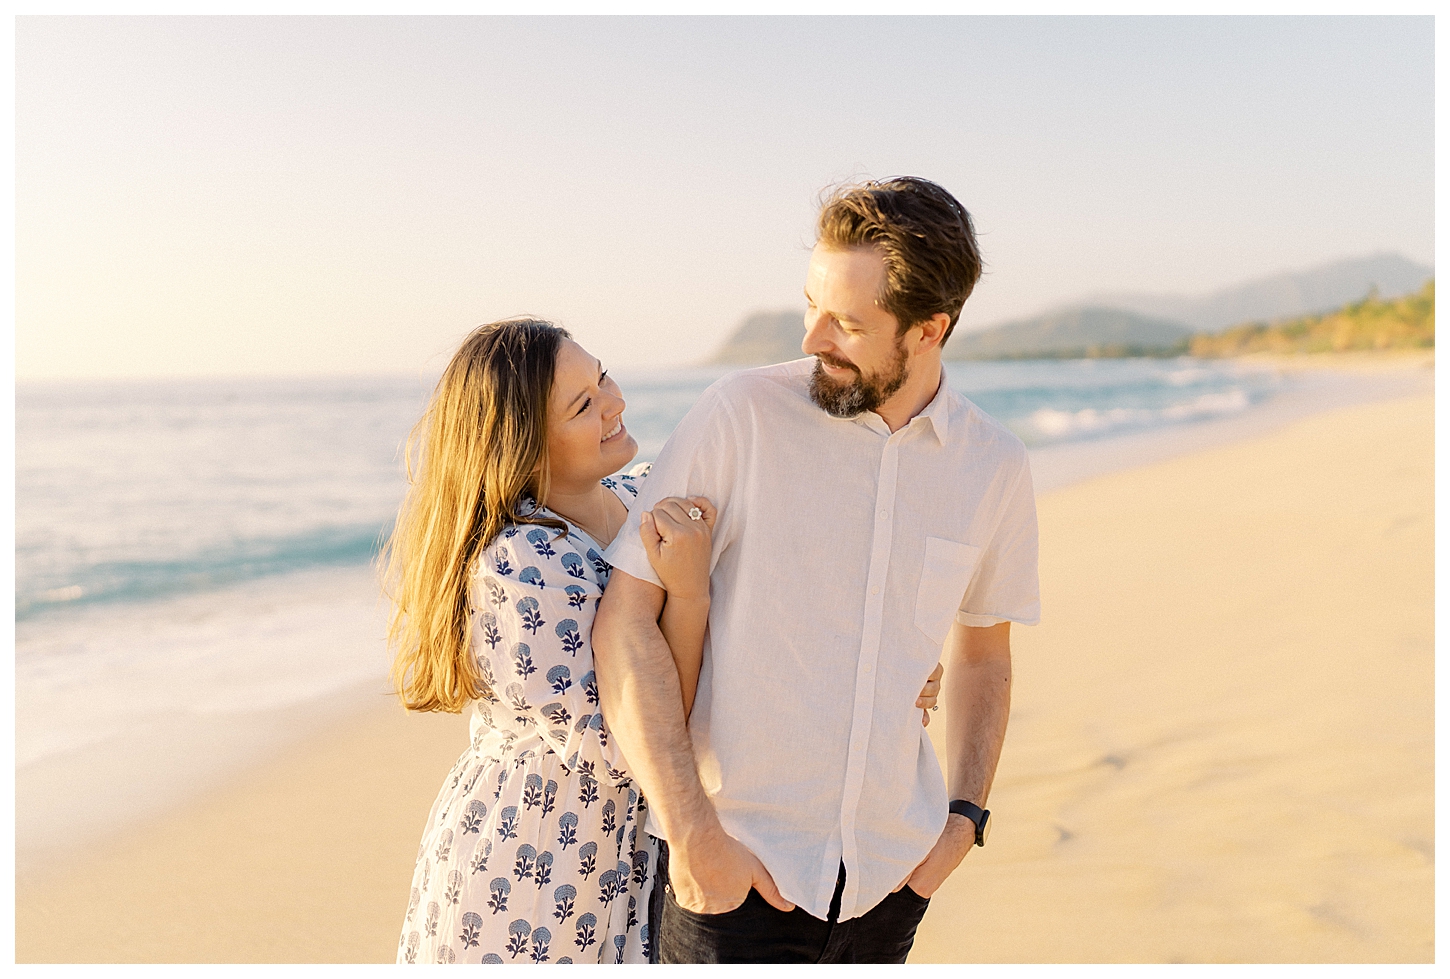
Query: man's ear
932	330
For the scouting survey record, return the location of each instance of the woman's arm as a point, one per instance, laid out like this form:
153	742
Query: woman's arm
679	551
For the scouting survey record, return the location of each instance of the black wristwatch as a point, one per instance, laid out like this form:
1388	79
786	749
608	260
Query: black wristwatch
981	818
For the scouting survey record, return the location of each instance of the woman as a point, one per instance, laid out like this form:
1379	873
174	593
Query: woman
533	851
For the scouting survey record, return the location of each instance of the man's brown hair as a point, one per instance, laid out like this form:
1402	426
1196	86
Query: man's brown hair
925	237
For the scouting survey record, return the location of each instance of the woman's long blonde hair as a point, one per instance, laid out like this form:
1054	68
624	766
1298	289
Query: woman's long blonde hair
477	451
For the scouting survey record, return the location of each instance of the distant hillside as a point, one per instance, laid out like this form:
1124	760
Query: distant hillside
1080	332
772	337
1370	324
1128	325
764	338
1316	290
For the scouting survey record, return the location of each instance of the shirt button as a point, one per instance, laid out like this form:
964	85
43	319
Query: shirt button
882	514
875	590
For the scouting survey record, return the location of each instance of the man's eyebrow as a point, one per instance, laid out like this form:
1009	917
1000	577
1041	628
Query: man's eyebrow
599	367
839	317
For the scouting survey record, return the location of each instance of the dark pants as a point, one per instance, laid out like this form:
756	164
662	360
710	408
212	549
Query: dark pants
759	932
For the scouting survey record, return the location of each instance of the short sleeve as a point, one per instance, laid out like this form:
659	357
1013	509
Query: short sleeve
699	459
534	602
626	485
1004	588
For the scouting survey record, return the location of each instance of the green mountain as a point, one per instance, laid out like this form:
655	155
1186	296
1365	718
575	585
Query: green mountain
1124	325
772	337
1321	289
764	338
1403	323
1089	331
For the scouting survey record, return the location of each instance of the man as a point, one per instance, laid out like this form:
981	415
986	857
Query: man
870	522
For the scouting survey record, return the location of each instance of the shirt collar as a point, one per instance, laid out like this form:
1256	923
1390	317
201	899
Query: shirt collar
938	409
936	413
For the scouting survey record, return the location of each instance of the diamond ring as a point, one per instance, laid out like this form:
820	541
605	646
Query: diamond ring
696	513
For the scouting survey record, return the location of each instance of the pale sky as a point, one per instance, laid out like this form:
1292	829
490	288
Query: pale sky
201	196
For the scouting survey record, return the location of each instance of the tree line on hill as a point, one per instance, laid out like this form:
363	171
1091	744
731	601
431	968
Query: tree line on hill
1407	322
1336	307
1372	323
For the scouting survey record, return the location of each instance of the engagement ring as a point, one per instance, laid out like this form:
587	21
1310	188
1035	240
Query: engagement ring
696	513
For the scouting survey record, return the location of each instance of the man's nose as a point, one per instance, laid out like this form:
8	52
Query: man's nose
818	331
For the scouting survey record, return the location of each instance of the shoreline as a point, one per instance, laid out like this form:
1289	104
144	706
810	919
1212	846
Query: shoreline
293	655
1322	385
191	741
296	770
304	856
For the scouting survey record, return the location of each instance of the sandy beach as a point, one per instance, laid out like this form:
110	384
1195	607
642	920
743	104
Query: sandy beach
1222	737
1221	748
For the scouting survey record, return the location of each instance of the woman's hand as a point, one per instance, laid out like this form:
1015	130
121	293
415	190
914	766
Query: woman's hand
927	700
679	547
679	550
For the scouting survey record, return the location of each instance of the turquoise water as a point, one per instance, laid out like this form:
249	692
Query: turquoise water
134	492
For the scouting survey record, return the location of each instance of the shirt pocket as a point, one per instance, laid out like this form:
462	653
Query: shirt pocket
946	571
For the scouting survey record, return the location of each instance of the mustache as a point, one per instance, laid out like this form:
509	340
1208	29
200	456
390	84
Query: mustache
840	364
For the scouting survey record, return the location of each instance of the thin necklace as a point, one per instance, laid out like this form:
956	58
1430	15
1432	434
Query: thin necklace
604	523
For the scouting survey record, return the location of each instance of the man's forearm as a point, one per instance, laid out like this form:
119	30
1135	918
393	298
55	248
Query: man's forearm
639	694
977	693
682	623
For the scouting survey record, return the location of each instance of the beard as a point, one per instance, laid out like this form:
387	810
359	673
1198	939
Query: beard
843	399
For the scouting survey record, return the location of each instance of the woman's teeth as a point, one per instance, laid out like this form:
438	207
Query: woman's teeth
618	426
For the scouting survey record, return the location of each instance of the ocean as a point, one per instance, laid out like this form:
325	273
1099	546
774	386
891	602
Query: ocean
132	493
202	549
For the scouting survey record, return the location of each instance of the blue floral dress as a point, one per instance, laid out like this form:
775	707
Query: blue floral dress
534	850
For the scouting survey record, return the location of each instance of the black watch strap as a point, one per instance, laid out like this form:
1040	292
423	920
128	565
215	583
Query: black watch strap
975	813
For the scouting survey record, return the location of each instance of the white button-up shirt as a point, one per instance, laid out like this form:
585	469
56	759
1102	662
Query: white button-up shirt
842	553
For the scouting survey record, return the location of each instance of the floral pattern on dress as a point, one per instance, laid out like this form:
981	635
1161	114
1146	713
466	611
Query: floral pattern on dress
534	849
